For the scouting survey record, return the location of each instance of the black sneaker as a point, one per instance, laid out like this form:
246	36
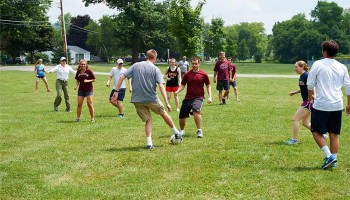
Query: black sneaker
68	110
224	101
55	108
150	147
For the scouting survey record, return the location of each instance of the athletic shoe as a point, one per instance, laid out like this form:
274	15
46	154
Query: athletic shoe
77	119
68	110
238	100
93	120
149	146
177	110
334	165
325	136
55	108
292	141
223	101
329	161
121	116
181	133
200	134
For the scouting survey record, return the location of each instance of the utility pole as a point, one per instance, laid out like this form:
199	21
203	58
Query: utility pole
64	33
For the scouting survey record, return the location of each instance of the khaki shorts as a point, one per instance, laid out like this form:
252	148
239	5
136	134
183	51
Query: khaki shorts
143	109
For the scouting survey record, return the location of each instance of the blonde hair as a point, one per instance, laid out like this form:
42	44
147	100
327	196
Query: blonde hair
83	60
151	54
37	62
302	64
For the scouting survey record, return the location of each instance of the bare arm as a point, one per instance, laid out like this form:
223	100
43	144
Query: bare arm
310	95
348	106
180	89
215	74
163	92
179	75
209	93
109	81
76	84
293	93
130	85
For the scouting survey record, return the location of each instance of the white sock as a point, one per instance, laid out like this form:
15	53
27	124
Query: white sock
175	130
149	141
326	151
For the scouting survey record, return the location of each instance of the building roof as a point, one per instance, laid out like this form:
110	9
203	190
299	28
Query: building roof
77	49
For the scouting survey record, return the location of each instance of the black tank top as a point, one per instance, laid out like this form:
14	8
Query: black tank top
174	78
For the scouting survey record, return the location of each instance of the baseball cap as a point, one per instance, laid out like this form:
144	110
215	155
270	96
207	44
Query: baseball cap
120	61
63	58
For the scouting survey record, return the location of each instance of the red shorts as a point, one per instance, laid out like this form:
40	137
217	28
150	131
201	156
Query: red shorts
171	89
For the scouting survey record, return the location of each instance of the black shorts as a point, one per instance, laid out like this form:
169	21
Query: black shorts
190	104
326	121
121	94
233	83
41	76
222	85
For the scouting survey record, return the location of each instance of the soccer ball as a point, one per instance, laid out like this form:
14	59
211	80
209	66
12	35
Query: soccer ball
174	140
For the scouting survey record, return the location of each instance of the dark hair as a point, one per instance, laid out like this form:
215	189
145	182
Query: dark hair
195	58
331	47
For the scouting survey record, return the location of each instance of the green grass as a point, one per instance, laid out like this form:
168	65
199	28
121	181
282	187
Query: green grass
46	155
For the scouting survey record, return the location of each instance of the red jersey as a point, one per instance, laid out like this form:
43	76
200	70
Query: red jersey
233	69
80	77
222	68
195	83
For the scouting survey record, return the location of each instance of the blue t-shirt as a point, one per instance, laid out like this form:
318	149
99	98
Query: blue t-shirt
303	85
40	70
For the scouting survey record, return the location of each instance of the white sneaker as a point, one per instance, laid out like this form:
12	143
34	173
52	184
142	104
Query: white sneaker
325	136
182	133
200	134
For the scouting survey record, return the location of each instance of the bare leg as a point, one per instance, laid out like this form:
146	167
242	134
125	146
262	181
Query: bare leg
300	114
91	107
120	107
176	101
319	139
36	84
79	106
182	123
197	120
220	96
47	85
236	93
167	119
148	127
334	142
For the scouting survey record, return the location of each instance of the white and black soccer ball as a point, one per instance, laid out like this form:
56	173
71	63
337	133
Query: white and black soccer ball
175	140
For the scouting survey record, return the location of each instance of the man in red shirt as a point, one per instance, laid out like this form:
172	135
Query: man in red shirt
222	73
195	80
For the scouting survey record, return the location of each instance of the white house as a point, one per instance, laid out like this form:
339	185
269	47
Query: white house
77	53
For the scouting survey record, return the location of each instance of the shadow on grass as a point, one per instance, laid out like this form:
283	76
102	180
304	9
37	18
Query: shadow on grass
301	168
68	122
137	148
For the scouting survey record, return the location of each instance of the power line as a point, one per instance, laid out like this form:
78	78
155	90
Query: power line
16	24
29	22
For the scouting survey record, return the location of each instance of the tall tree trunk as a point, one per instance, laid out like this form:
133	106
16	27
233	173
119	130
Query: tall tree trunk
135	51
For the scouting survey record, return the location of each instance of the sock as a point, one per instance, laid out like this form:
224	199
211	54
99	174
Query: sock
200	129
149	141
326	151
175	130
335	155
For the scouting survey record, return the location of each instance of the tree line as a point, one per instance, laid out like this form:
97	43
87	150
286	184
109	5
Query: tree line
172	26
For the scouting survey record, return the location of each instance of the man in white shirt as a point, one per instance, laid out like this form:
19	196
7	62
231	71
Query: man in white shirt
184	66
62	70
327	76
115	73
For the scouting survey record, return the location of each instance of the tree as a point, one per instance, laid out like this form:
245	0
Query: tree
231	33
140	23
77	36
187	25
25	27
216	40
243	50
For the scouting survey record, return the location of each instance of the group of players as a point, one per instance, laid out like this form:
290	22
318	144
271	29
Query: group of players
326	78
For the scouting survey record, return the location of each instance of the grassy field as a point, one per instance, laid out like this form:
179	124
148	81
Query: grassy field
46	155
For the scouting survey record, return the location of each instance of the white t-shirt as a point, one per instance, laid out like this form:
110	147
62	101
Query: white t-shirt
183	66
116	73
328	76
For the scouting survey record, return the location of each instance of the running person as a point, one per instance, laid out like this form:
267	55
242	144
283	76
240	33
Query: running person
304	111
84	78
222	73
39	71
192	104
115	73
173	76
328	76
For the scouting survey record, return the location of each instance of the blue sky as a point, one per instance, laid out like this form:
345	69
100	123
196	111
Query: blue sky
231	11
